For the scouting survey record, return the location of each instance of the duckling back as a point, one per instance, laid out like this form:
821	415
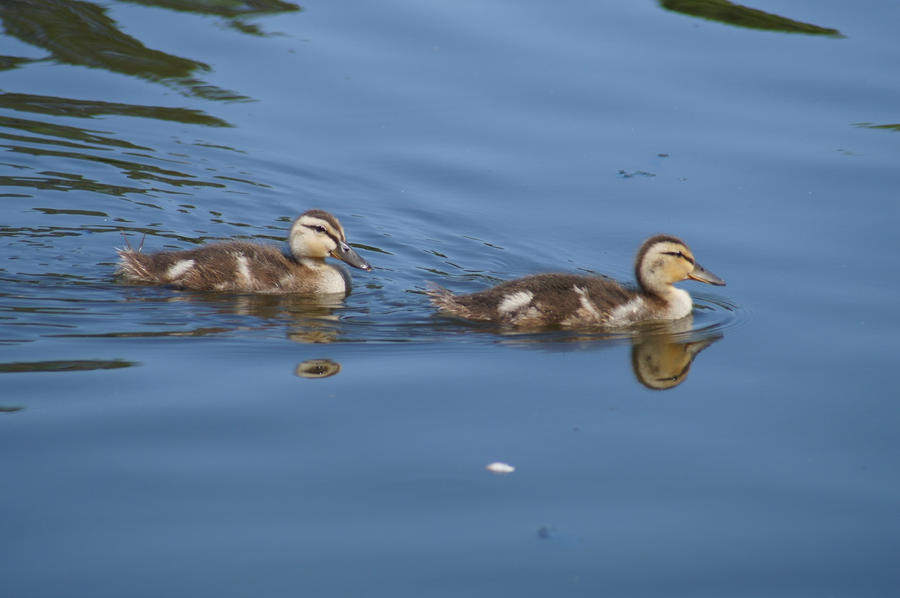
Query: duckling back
233	267
541	300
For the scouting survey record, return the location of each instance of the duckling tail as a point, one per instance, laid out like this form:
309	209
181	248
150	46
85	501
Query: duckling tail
449	303
132	267
441	297
437	294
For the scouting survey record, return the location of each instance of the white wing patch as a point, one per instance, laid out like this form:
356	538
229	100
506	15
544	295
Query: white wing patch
586	303
515	301
243	268
177	269
627	313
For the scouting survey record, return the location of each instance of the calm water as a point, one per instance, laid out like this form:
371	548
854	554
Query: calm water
161	443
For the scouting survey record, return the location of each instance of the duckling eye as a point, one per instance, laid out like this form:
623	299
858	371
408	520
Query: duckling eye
319	228
681	255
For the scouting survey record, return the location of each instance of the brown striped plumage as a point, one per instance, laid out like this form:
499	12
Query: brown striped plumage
569	300
240	266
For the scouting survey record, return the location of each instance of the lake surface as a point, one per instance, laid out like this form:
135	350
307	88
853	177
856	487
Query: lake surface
165	443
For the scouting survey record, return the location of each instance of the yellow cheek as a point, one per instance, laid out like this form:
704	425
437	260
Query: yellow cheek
677	270
320	248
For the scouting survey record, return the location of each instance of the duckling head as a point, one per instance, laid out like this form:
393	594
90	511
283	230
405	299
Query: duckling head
318	234
663	260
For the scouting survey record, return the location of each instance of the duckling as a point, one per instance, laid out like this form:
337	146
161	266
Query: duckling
570	300
240	266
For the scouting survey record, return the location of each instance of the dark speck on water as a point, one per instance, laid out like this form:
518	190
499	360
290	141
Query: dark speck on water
160	442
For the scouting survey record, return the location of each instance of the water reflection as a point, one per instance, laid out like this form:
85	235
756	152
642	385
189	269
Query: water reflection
663	360
307	319
661	352
82	34
55	106
742	16
57	144
79	365
317	368
235	12
884	127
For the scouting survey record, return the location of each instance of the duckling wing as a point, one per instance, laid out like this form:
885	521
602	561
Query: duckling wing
233	266
569	300
540	300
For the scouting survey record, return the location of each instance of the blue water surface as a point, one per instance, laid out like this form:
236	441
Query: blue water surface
161	442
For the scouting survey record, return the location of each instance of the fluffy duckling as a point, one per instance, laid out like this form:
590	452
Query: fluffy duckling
240	266
570	300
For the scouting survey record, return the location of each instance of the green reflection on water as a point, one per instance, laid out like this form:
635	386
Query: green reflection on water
66	182
89	109
223	8
32	137
81	34
64	365
885	127
742	16
233	10
132	169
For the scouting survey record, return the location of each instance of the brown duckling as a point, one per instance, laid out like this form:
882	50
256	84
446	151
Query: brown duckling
571	300
244	267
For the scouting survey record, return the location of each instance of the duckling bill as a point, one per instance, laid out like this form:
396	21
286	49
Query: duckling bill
570	300
240	266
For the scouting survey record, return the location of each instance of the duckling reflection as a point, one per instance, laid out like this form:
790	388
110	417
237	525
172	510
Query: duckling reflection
317	368
315	330
306	319
661	352
309	319
663	360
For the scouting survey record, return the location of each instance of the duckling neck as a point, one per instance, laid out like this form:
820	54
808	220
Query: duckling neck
315	263
332	278
680	303
674	303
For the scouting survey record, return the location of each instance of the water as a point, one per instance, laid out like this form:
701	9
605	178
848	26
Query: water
165	443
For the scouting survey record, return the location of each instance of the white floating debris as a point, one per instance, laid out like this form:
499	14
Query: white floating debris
498	467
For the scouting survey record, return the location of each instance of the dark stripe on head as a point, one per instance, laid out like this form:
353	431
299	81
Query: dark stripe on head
679	254
324	231
323	215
